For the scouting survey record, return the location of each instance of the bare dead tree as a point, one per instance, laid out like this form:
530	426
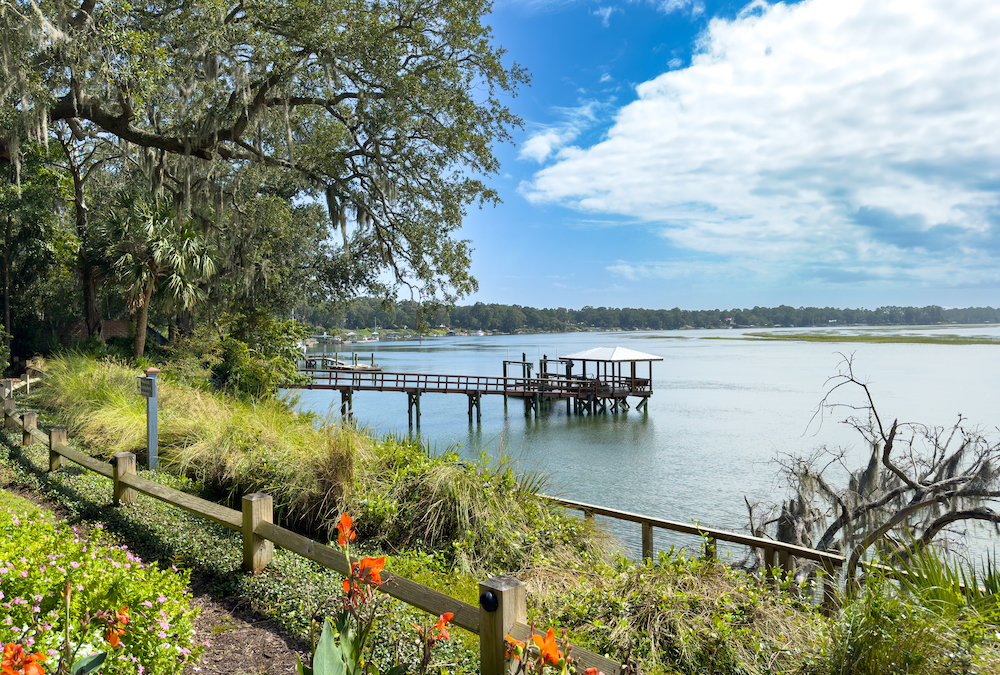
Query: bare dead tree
921	486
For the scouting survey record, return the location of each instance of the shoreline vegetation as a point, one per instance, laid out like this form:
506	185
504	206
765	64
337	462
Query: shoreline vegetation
878	337
448	523
410	318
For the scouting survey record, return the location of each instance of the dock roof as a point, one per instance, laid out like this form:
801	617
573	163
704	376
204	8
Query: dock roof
612	354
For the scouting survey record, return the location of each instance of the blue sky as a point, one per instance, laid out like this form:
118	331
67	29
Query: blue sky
718	154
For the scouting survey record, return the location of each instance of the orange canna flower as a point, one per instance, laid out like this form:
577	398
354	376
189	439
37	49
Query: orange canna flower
17	662
115	625
370	570
592	671
440	625
345	530
547	647
514	647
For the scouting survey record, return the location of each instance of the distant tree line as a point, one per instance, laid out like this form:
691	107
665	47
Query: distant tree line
369	312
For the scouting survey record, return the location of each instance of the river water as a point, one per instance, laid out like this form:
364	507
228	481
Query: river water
722	411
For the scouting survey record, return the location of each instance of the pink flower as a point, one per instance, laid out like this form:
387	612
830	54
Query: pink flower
146	603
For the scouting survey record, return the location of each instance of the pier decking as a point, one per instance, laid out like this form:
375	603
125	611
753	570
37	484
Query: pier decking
597	393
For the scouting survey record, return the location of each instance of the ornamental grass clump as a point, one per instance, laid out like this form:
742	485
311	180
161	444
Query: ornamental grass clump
486	515
70	597
233	445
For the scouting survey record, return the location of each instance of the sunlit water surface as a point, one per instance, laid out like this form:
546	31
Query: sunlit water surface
722	411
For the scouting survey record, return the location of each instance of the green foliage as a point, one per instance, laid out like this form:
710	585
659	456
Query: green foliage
951	588
884	630
39	557
683	614
387	112
257	354
485	516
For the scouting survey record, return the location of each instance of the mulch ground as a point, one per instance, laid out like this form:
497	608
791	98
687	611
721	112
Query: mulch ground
238	641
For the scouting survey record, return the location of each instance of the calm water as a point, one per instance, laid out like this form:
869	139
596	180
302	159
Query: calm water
721	412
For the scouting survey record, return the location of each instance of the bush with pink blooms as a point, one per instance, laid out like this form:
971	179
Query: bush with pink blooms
40	560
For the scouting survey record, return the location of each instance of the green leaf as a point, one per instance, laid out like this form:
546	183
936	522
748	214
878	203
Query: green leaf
301	668
89	664
329	658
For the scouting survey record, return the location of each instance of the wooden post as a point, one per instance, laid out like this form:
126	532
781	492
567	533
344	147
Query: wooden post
257	551
29	420
123	464
588	516
57	436
27	382
502	602
647	540
769	555
8	413
786	561
830	599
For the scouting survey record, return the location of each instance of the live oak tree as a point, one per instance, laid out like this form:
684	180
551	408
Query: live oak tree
384	111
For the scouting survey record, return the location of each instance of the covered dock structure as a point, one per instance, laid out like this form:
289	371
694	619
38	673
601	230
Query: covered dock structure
616	374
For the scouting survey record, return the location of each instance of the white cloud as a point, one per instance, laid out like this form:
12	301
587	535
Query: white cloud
860	135
547	140
605	14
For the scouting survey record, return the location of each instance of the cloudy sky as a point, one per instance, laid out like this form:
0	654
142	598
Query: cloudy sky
709	154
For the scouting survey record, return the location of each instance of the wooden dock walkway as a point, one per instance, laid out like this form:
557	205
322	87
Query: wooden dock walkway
582	394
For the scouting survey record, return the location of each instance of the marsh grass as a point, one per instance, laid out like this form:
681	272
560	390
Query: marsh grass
872	338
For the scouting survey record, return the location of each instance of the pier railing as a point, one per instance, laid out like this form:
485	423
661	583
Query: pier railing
549	385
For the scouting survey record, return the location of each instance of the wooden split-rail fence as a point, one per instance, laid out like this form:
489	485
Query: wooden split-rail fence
503	600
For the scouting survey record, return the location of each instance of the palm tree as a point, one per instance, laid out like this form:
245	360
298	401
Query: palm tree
149	247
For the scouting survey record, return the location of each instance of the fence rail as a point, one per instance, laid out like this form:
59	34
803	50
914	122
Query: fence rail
777	555
503	601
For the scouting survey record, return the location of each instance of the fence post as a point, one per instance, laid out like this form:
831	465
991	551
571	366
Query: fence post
27	382
57	436
257	551
29	421
830	600
647	540
711	548
502	602
9	421
123	464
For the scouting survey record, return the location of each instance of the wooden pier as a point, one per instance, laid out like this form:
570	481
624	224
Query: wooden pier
593	394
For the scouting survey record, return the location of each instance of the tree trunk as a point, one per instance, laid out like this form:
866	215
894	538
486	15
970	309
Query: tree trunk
141	320
88	275
8	233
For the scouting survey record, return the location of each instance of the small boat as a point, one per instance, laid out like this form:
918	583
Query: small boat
337	364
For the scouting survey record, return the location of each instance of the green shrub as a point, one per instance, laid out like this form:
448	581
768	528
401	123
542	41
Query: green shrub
683	614
257	354
884	629
38	558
